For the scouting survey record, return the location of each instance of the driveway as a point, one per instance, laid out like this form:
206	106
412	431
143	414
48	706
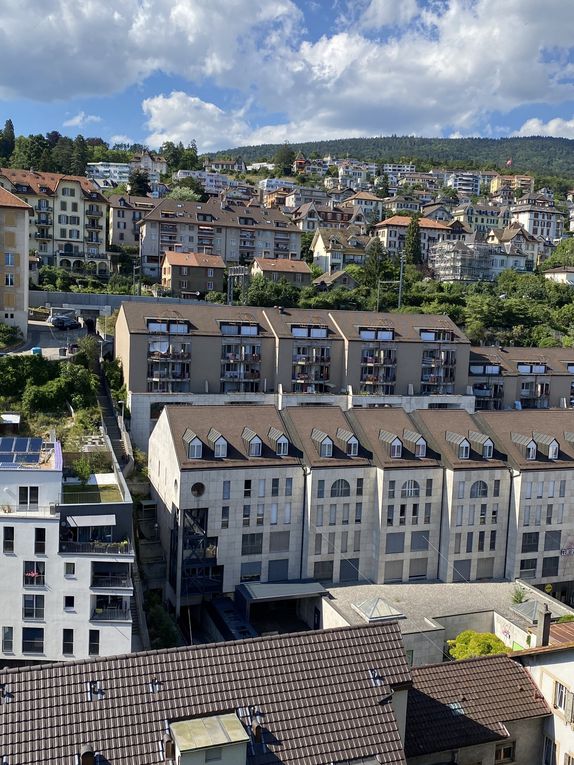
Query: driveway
49	339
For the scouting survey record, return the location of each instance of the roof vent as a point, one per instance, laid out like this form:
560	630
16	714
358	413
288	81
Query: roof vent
154	685
168	748
87	755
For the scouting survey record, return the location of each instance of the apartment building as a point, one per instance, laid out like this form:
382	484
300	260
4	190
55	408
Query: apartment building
117	172
192	274
335	248
295	272
125	212
539	217
154	164
14	260
282	351
234	230
312	215
524	250
68	227
523	183
401	204
453	261
212	183
65	580
393	231
369	204
482	217
521	378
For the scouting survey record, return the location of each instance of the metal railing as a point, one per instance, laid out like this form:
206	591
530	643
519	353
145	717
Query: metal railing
111	581
96	548
112	615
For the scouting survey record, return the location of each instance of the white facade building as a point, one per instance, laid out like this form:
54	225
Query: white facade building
118	172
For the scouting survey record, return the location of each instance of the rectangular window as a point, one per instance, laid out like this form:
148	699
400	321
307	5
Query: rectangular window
356	541
358	512
261	487
331	543
391	490
560	514
551	489
428	489
458	521
460	489
549	509
247	487
34	573
213	755
549	757
318	543
251	544
530	542
320	489
481	541
69	569
427	518
346	511
246	514
415	515
32	606
68	642
550	566
344	541
494	513
40	541
226	489
69	602
492	540
288	487
332	515
562	489
390	515
496	488
7	639
279	541
559	696
528	490
504	753
319	515
539	489
274	487
528	568
225	517
287	513
526	521
469	540
32	640
260	515
359	487
8	539
538	515
94	643
457	541
402	515
471	515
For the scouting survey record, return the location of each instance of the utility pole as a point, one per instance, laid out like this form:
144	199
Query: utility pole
398	281
236	274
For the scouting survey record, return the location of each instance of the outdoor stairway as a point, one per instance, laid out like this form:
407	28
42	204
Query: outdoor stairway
110	422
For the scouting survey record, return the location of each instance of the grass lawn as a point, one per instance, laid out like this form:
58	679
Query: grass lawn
78	494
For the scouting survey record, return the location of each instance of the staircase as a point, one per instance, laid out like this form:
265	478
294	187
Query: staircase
110	422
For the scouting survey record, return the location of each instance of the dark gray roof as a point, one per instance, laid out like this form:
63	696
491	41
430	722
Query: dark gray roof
313	690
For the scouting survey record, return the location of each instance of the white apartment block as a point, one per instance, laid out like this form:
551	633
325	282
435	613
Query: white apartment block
118	172
213	183
65	583
465	183
392	168
14	260
542	220
252	493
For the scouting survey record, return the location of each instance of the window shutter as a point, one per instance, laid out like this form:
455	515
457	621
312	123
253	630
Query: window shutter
569	706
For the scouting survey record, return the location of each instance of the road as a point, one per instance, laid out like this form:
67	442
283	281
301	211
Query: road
43	335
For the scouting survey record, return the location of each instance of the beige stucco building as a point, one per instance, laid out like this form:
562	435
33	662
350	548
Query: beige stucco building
14	265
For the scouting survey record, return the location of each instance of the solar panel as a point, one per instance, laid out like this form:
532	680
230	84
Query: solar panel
35	445
29	459
6	445
7	456
20	445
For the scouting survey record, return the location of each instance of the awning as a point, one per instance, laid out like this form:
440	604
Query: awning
263	591
82	521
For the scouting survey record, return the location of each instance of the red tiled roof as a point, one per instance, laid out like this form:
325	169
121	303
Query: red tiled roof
7	199
404	220
193	259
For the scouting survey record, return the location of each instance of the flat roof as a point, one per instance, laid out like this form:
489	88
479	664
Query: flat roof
260	591
206	732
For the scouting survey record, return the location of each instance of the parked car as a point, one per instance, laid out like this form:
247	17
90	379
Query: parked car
64	322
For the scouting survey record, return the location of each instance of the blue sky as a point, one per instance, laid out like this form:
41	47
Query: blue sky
233	72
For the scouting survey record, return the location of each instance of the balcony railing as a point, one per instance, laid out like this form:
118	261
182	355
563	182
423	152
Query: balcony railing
112	581
92	225
96	548
111	615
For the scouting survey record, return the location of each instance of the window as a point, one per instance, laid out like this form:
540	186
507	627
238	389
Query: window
359	487
553	451
562	489
251	544
67	642
344	541
9	280
261	487
504	752
40	541
194	449
287	513
69	602
318	543
530	542
323	570
463	451
421	450
7	639
460	489
458	521
481	541
471	515
332	515
34	573
226	489
390	515
410	489
391	493
402	515
395	542
220	449
32	607
531	451
288	487
549	757
275	487
225	517
69	569
396	449
469	540
273	513
255	448
428	488
320	489
279	541
247	488
352	448
246	514
32	640
550	566
419	541
8	539
415	515
260	515
94	643
478	489
8	259
341	488
356	541
427	516
493	540
496	488
457	540
487	451
326	449
282	447
346	509
528	568
559	696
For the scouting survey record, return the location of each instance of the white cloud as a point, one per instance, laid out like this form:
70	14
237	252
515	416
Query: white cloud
557	127
384	13
81	119
121	139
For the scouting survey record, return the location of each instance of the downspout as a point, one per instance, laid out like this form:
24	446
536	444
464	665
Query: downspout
442	497
304	517
510	493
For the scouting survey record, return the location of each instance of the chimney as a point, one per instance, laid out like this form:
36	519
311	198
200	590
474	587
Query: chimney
87	756
543	627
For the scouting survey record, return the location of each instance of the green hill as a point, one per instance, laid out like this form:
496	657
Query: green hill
539	155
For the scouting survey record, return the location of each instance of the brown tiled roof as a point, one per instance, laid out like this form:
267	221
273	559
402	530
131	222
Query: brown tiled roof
556	359
562	633
466	703
7	199
404	220
35	179
193	259
313	690
137	203
283	265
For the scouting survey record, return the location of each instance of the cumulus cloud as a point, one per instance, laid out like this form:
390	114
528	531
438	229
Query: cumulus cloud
384	13
81	119
557	128
121	139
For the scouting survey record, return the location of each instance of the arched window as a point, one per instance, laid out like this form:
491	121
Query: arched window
478	489
410	489
340	488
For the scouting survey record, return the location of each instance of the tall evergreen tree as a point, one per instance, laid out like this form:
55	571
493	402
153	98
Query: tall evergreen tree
138	182
375	257
413	249
80	156
62	154
7	140
20	157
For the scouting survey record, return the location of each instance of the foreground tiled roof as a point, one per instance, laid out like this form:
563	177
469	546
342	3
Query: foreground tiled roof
313	690
7	199
466	703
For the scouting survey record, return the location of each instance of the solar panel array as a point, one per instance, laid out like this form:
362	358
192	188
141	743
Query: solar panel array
19	450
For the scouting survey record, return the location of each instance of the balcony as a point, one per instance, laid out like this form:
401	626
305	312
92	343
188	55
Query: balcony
111	582
70	547
45	221
43	208
42	235
94	211
109	614
94	226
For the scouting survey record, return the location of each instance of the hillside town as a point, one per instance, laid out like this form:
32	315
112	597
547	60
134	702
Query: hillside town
240	453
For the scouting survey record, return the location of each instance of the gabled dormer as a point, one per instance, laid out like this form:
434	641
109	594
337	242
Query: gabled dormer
393	444
416	443
348	442
280	442
217	443
547	445
193	445
253	443
461	443
323	443
482	443
526	444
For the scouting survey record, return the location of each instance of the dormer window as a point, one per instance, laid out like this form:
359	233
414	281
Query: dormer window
487	451
282	447
255	447
464	450
195	449
396	449
220	449
421	449
553	451
352	447
326	449
531	451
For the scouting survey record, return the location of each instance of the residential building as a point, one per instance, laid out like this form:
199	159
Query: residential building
521	183
369	204
395	168
68	228
234	230
354	175
117	172
455	261
335	248
539	216
290	352
154	164
236	165
125	213
561	275
14	263
392	233
192	274
437	211
401	204
212	183
464	182
310	216
295	272
302	195
65	579
523	249
482	217
273	184
335	279
412	178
